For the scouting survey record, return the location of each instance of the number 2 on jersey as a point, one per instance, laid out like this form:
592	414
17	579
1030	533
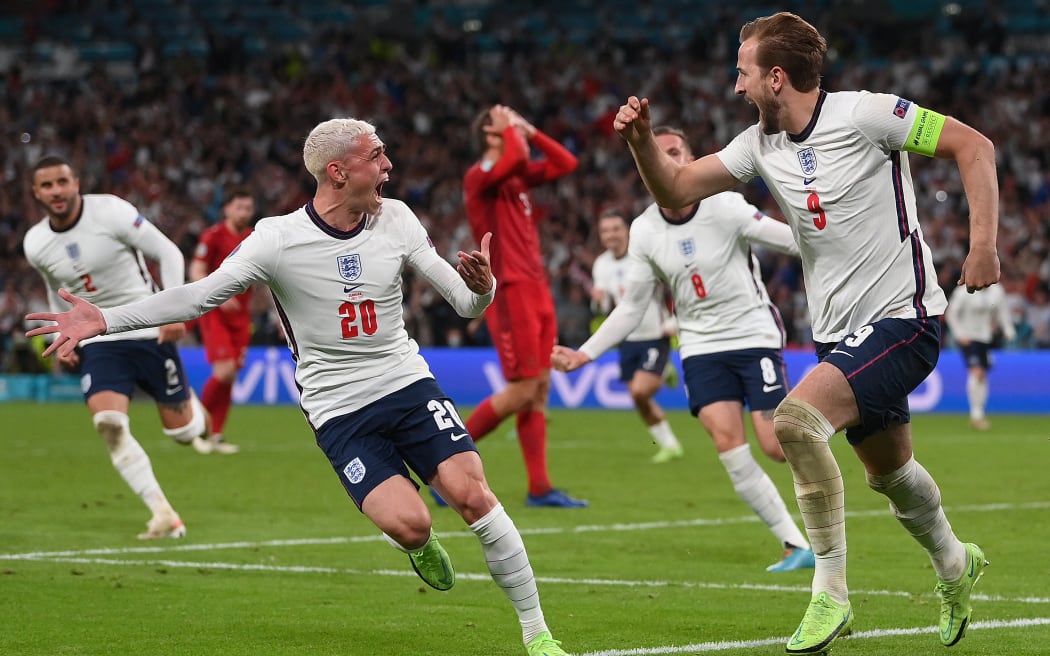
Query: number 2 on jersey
362	314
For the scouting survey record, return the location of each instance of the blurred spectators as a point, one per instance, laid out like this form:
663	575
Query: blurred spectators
169	102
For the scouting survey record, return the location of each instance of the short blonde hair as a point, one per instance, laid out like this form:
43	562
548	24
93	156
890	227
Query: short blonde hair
329	141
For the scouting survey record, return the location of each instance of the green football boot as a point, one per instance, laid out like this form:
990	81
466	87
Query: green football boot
955	596
825	620
433	565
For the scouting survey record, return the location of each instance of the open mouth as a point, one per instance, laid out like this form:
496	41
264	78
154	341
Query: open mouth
379	191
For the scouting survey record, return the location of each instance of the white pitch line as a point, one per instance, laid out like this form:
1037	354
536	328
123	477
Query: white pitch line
465	576
861	635
592	528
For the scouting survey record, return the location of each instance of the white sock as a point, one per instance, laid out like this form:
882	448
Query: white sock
130	460
804	434
664	436
916	501
977	394
756	488
509	565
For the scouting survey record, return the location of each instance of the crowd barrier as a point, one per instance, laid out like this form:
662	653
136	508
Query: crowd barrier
1019	381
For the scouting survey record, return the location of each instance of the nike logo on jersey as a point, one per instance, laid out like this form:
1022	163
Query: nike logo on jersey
457	437
842	352
808	181
347	290
769	388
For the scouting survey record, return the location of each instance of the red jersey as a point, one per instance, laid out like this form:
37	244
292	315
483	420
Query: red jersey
497	200
214	245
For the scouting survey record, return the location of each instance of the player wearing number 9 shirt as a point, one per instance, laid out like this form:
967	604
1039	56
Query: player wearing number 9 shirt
335	270
837	165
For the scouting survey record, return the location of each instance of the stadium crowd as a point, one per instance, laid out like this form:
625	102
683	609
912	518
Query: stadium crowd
170	129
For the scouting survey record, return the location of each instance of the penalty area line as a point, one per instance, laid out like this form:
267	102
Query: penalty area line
707	647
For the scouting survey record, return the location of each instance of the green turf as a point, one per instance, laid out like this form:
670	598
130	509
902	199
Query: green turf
667	560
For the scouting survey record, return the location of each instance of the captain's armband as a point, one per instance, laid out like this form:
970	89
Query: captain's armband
925	132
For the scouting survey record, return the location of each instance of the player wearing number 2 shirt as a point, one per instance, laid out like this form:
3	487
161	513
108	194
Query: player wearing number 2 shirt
837	163
335	270
98	244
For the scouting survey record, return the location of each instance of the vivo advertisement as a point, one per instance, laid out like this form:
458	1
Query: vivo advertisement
1019	380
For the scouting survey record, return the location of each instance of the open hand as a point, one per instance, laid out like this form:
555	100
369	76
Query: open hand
80	322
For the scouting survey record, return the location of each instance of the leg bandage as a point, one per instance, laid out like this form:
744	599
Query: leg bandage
915	500
198	424
510	568
804	433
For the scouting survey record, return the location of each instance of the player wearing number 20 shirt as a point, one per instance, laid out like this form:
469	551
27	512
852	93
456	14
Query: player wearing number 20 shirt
339	297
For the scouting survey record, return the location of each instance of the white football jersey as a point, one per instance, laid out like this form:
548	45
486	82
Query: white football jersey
100	258
338	295
706	261
974	317
610	275
845	187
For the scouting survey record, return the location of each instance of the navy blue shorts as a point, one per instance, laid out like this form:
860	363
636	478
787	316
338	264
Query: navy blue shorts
755	377
120	366
648	355
416	427
978	354
884	362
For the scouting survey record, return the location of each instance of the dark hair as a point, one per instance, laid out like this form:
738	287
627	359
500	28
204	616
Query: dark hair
233	193
48	161
787	41
614	213
477	128
661	130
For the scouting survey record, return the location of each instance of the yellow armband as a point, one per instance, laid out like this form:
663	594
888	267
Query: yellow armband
925	132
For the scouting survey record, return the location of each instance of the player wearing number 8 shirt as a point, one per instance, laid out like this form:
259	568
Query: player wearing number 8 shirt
335	270
837	165
730	334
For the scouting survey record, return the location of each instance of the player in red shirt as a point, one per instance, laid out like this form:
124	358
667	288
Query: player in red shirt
521	320
227	329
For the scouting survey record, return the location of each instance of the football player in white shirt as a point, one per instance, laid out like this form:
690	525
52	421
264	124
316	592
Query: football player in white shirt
837	165
730	333
644	353
973	320
335	270
94	244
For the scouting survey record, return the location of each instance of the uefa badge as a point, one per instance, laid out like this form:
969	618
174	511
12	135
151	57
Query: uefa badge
349	267
808	159
355	471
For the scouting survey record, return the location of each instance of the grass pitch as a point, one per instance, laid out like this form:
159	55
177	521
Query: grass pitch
667	560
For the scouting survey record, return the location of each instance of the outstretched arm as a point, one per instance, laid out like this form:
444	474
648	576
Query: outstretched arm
672	185
82	321
85	320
